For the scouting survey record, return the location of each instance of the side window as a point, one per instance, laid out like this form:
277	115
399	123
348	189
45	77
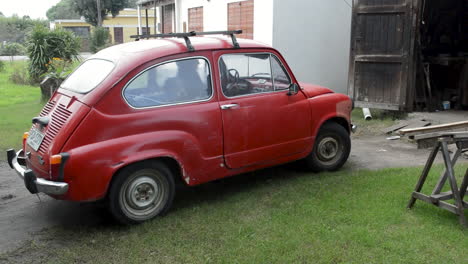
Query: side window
281	79
170	83
243	74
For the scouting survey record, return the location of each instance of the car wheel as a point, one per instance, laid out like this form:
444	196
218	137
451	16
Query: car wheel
140	192
331	148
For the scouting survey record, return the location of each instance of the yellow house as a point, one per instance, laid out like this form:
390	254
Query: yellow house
121	27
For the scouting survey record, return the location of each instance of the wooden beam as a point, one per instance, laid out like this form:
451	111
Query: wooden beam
436	128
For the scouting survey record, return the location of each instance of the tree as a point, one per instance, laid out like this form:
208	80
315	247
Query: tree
88	9
1	14
15	29
44	45
132	3
62	10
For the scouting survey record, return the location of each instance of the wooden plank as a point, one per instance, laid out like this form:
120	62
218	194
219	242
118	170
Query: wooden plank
453	185
442	196
396	127
384	106
418	124
453	134
443	177
464	185
384	9
424	174
436	128
449	207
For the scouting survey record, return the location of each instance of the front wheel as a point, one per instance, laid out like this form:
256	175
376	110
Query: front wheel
140	192
331	149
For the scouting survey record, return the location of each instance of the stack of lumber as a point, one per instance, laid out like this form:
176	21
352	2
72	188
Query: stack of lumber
426	137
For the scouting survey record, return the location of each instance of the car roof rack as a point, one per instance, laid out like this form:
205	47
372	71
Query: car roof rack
186	36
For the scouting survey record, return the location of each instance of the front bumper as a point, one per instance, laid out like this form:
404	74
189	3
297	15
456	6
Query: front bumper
32	183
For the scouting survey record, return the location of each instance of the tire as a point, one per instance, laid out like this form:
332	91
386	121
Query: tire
331	149
140	192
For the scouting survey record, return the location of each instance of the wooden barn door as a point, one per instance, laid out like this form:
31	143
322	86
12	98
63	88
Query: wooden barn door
195	19
241	16
382	43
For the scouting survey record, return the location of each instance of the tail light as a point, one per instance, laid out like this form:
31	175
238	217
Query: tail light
57	163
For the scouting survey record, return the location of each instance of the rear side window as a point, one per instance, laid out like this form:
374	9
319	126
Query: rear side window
175	82
88	75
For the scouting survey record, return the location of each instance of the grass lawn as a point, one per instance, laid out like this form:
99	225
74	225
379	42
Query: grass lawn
277	215
18	104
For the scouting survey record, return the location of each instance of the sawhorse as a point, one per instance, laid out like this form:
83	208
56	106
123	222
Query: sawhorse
457	194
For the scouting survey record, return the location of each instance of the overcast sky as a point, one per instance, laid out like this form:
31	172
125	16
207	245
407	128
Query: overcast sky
32	8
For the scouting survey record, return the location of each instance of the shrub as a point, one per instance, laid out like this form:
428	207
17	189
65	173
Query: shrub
44	44
99	39
13	49
20	75
2	66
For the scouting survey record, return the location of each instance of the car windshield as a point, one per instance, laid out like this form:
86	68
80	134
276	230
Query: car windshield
88	75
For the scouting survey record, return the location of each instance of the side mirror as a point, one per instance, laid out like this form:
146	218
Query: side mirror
293	89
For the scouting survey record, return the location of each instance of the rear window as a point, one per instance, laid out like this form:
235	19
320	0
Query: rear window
88	75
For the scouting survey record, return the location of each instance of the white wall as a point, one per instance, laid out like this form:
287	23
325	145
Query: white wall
215	16
314	37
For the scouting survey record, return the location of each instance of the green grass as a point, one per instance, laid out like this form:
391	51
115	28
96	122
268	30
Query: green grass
380	119
276	215
18	104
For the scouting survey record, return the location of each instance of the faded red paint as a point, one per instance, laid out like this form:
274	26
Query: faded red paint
104	134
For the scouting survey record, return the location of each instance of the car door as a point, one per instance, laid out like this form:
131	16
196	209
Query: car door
261	122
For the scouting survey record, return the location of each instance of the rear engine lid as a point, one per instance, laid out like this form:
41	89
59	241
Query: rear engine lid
59	118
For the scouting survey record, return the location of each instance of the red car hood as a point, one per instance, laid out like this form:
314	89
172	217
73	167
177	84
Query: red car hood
312	90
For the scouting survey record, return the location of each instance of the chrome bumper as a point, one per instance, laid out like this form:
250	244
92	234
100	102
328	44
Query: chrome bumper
34	184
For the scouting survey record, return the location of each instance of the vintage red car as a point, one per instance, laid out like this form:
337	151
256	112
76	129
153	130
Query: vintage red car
135	119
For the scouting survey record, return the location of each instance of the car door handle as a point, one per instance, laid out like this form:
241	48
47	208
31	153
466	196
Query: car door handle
228	106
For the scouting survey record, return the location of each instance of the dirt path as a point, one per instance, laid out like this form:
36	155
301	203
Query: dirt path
23	215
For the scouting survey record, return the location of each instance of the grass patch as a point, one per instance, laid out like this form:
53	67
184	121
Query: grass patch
276	215
18	104
380	119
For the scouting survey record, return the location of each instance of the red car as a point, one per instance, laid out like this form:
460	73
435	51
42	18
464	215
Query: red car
135	119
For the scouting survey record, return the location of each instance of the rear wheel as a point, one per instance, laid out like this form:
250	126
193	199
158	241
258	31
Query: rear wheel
141	191
331	149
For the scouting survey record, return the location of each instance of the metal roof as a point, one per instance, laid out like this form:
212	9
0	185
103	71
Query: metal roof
154	2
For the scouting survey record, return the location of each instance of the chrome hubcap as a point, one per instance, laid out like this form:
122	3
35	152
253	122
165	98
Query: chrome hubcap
328	148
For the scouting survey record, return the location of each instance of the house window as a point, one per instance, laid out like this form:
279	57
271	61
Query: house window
241	16
144	31
118	35
82	32
167	18
195	19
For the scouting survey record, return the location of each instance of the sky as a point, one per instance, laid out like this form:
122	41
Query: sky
32	8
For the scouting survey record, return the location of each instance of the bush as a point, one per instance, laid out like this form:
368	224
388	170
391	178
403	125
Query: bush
100	39
43	45
20	75
13	49
2	66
